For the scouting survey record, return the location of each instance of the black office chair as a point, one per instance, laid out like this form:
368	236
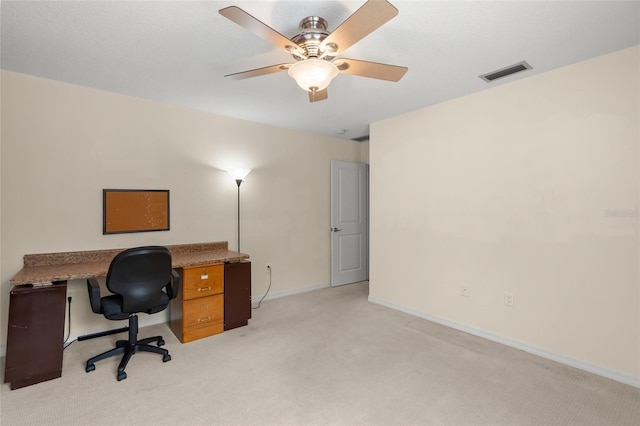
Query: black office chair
137	278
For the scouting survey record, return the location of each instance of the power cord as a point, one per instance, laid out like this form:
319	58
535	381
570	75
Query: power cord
65	345
268	288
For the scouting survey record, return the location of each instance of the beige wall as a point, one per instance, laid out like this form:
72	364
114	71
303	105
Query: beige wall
364	152
531	187
62	144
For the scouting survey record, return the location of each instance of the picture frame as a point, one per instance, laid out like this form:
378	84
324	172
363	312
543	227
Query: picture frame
135	210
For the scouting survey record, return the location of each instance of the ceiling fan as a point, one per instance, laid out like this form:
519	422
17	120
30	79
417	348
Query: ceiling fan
315	49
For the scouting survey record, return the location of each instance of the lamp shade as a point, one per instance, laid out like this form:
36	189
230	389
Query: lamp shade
238	174
313	73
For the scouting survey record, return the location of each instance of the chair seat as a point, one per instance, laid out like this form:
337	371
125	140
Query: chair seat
112	307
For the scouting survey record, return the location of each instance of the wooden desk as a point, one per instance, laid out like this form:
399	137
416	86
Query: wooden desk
39	311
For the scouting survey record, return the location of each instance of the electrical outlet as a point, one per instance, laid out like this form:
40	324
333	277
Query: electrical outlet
508	299
268	266
70	292
464	291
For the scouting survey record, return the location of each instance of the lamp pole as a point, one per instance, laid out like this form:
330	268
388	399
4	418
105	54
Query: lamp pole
238	181
238	175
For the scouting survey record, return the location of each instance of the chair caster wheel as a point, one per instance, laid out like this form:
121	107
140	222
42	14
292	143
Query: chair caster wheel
160	342
122	376
166	358
89	367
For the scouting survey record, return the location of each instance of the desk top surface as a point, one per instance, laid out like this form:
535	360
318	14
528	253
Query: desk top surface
50	267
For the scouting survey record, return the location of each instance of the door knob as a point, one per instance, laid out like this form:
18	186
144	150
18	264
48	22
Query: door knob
336	229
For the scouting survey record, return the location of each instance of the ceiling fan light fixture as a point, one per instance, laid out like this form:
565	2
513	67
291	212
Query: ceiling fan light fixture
313	74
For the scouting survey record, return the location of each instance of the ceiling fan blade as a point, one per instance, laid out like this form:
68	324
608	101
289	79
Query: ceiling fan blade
259	71
371	69
318	95
249	22
362	22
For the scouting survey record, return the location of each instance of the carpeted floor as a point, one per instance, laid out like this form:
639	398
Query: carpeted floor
326	357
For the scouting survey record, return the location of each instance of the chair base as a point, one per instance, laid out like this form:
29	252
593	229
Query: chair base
128	348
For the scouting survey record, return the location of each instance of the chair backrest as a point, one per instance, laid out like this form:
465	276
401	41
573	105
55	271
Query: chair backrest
139	275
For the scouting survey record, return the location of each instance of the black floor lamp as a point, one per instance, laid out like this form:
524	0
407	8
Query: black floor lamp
239	175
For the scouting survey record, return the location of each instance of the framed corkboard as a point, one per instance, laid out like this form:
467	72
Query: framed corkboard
134	210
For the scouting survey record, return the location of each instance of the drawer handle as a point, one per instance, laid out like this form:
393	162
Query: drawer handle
204	288
204	319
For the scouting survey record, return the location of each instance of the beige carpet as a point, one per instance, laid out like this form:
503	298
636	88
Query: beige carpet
326	357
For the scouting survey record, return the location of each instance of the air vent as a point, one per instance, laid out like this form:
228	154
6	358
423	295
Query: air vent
361	138
511	69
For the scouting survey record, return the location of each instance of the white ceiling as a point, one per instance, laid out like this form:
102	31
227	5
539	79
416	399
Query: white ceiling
178	52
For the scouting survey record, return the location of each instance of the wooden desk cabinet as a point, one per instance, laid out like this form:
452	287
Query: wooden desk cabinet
237	294
35	334
198	310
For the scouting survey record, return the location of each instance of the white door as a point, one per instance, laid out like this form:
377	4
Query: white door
349	228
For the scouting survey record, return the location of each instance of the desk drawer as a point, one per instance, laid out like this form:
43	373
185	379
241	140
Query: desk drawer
203	312
202	281
190	336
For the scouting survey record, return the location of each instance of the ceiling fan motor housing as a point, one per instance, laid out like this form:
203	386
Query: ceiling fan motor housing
313	30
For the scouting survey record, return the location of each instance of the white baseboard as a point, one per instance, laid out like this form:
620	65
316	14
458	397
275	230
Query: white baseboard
145	321
157	319
563	359
256	299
